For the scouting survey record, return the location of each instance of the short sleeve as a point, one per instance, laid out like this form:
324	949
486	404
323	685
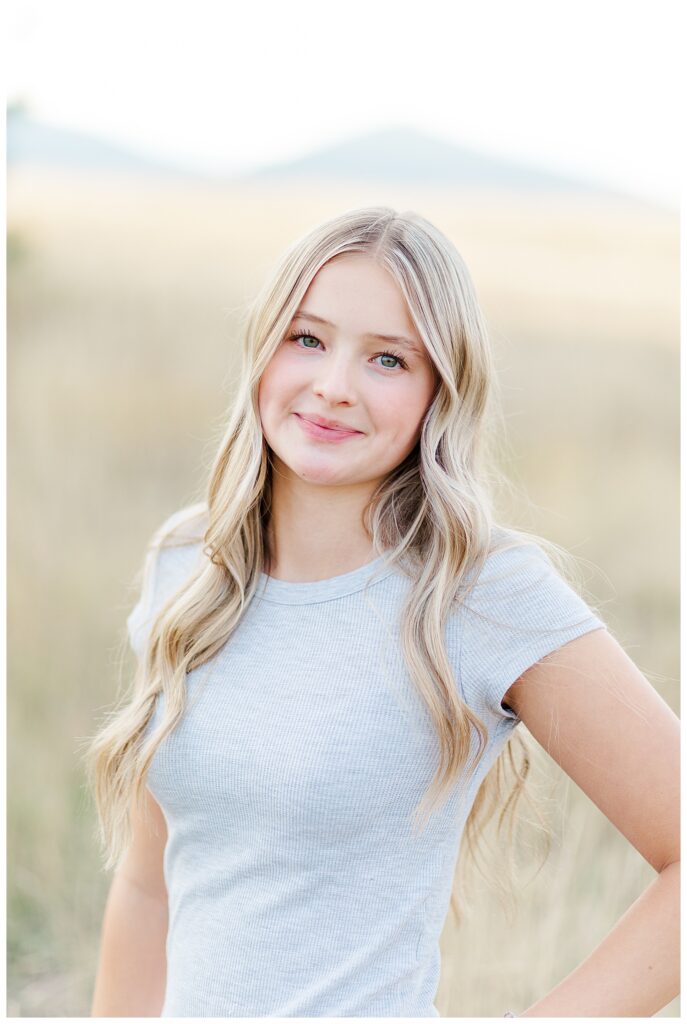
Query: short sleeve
165	570
139	620
520	610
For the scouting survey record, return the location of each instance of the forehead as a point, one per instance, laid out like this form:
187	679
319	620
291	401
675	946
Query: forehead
357	294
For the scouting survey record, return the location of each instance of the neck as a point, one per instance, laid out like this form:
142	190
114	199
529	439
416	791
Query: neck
316	531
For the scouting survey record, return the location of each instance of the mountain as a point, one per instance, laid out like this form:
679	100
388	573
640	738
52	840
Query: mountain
407	156
393	155
33	142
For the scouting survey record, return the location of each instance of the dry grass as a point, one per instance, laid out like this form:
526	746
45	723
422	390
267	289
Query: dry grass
124	307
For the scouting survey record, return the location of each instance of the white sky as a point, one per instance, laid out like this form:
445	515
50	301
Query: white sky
588	87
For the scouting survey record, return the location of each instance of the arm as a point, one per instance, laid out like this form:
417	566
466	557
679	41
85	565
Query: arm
596	714
131	976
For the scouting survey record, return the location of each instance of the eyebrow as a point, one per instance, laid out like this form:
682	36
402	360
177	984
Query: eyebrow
395	338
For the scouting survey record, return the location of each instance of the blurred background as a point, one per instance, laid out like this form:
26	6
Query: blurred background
160	157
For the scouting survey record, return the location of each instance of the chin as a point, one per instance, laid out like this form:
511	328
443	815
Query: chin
321	475
319	471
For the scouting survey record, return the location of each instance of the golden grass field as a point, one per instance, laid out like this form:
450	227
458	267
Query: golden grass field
124	305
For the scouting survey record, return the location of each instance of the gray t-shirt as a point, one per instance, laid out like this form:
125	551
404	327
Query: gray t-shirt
296	884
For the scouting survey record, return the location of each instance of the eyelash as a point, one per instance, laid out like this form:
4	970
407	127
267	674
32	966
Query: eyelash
295	335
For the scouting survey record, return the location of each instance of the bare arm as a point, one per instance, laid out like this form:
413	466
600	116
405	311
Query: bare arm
594	712
132	969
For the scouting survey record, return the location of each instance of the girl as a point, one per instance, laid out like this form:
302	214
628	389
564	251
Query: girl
334	650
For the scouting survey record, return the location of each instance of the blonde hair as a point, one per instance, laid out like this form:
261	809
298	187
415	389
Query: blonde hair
431	517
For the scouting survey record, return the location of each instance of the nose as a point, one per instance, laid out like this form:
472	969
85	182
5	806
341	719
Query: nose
334	381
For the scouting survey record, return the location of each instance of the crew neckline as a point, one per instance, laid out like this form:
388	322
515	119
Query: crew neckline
316	591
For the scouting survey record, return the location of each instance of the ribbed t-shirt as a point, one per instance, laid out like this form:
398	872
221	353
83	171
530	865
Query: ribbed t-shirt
297	885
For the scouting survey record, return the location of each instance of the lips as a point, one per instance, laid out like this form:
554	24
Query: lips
326	435
320	421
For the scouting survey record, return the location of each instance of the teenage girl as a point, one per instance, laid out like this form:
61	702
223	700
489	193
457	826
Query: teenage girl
334	650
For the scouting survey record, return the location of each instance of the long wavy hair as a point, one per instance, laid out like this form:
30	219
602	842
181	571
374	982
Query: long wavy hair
431	517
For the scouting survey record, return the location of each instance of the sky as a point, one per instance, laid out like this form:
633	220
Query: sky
586	88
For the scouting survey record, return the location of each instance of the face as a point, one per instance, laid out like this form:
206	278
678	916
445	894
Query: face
369	395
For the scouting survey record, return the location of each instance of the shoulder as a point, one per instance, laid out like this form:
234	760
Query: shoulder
174	551
520	608
176	546
518	566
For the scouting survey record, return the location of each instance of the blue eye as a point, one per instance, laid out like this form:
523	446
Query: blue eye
309	337
297	335
390	355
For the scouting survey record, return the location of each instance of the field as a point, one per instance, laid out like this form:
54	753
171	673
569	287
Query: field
123	310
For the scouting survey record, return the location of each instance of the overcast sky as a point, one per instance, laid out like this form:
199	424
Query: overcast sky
589	87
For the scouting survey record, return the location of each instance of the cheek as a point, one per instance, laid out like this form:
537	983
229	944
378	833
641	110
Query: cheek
402	412
263	397
278	380
272	386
